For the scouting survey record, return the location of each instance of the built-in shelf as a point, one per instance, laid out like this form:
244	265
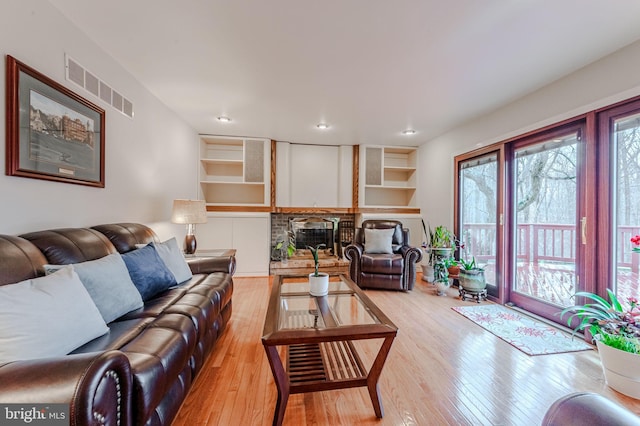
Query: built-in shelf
234	171
389	177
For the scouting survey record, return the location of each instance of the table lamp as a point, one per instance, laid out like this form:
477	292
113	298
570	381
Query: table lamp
189	212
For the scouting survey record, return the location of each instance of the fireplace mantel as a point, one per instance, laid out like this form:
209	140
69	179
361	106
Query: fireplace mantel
315	210
344	210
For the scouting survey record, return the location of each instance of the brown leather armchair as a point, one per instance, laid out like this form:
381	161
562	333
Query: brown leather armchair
391	270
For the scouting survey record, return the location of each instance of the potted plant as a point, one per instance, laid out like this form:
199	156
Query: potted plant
427	262
441	278
318	281
453	267
285	246
471	276
442	242
616	331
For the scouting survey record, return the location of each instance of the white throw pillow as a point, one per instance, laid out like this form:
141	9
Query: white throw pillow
109	284
47	317
378	240
172	256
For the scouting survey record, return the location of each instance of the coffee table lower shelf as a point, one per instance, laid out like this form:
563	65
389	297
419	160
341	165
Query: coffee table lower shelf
324	366
330	365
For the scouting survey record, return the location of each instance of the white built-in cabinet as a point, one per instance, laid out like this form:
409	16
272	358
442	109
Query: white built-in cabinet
248	233
234	171
388	177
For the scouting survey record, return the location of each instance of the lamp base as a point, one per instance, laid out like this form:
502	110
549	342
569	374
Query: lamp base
190	244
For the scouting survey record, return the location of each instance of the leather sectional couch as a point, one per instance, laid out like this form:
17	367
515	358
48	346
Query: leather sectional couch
140	371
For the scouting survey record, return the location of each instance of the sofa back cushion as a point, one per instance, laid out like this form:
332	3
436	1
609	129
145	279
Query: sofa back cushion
47	317
400	235
19	260
125	236
71	245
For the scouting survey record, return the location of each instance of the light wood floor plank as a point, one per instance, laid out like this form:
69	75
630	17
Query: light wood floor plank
442	370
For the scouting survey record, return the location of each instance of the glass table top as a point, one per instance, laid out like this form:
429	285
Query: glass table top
341	307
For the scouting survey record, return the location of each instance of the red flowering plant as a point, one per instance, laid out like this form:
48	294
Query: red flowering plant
610	323
636	242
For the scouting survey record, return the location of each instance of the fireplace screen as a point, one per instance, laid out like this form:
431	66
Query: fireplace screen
313	231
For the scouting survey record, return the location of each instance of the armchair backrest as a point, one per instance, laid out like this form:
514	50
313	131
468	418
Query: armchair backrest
400	236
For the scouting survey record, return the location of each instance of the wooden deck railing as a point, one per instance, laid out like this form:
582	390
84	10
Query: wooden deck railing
551	242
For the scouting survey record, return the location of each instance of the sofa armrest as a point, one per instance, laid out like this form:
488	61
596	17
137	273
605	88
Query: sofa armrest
353	253
413	254
209	265
97	386
588	408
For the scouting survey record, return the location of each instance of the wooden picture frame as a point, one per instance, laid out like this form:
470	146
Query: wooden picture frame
52	133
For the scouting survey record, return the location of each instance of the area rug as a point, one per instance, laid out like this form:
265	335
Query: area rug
525	333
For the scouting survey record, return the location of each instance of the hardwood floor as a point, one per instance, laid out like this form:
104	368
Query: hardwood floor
442	370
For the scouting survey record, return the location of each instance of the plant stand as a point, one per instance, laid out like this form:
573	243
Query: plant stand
478	295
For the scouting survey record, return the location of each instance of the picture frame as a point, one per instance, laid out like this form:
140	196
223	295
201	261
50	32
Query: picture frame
52	133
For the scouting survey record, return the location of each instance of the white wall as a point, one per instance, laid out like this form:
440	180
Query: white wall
612	79
150	160
320	176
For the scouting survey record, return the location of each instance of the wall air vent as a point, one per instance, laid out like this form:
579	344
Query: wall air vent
77	74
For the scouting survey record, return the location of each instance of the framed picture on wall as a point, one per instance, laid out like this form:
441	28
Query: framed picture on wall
52	133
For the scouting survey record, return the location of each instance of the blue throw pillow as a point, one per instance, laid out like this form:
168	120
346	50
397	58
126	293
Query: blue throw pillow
148	272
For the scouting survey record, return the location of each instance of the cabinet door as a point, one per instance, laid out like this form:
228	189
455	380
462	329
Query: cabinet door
251	239
373	166
253	161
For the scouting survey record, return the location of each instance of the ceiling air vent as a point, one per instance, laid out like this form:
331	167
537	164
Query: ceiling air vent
77	74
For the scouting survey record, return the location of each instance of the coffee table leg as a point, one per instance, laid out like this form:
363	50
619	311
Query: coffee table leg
374	375
282	383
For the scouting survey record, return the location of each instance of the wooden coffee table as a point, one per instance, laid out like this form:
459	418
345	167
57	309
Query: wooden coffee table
318	335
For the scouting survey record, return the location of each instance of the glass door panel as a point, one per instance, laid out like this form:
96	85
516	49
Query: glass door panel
626	155
478	233
545	235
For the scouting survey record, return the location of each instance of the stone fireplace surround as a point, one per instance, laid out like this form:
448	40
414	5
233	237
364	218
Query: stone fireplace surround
302	262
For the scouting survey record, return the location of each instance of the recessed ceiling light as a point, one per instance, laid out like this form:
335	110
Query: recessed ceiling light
322	126
409	132
224	119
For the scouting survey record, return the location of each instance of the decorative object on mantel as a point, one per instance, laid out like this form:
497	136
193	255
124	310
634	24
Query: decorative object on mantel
52	133
189	212
318	281
617	336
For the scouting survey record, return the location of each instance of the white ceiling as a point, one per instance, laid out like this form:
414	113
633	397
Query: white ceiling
369	68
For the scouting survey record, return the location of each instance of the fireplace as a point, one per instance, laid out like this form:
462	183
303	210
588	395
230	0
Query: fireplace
333	229
312	231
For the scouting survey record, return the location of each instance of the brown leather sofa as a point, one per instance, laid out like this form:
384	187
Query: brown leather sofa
395	270
588	408
141	370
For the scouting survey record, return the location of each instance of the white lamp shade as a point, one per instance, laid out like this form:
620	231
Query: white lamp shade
189	211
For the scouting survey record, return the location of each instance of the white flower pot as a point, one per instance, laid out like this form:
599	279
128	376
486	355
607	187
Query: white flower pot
621	369
442	287
319	286
428	273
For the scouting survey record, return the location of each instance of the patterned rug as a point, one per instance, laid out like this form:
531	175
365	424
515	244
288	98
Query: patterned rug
525	333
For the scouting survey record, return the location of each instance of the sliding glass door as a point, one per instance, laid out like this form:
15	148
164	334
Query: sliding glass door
478	230
623	140
548	224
